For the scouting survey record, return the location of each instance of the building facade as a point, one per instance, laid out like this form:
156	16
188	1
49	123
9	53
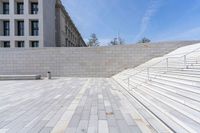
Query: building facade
37	23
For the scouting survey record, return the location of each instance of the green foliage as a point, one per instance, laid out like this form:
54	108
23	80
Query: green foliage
144	40
117	41
93	41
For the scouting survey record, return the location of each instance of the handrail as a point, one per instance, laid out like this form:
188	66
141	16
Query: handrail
177	57
136	73
182	54
193	51
167	62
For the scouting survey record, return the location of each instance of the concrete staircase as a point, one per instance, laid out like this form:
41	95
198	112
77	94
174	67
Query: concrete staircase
168	88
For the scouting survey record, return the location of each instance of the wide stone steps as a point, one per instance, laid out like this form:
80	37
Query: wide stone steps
189	65
170	91
162	111
190	79
187	101
193	62
177	97
187	114
174	82
183	73
162	114
183	76
171	112
167	104
176	90
172	105
154	122
181	66
181	104
154	111
190	72
192	66
177	75
195	73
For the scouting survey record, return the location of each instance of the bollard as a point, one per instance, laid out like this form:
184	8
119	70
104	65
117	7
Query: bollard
49	75
167	61
148	76
185	61
128	83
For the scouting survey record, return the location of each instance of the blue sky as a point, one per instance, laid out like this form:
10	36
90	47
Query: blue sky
158	20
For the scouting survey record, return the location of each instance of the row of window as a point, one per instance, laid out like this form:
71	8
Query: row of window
19	44
20	8
68	43
70	34
20	28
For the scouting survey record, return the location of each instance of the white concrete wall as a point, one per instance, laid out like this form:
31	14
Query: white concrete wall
81	62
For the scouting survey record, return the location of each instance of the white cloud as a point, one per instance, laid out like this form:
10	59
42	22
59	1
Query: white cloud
150	12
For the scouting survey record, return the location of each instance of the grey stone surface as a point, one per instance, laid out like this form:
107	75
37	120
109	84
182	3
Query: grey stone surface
48	110
81	62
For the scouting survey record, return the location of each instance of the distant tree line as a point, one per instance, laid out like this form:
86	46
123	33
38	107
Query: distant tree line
117	41
94	42
144	40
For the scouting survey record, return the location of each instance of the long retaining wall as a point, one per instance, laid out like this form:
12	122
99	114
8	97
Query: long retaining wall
81	62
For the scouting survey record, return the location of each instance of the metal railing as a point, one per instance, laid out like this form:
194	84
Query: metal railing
167	68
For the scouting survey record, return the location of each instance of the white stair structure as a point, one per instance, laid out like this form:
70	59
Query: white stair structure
168	87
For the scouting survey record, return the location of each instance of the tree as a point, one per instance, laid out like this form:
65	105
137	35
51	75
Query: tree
93	41
121	41
117	41
114	42
144	40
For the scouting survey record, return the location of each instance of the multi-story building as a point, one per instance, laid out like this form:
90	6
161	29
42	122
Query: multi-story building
37	23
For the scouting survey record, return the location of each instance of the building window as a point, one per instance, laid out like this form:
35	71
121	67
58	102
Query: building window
20	28
5	44
20	44
34	44
70	36
66	30
5	8
34	28
6	28
34	8
20	8
66	42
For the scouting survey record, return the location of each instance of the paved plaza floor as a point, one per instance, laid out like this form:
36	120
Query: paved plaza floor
66	105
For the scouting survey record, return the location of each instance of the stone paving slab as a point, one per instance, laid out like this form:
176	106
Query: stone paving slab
64	105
